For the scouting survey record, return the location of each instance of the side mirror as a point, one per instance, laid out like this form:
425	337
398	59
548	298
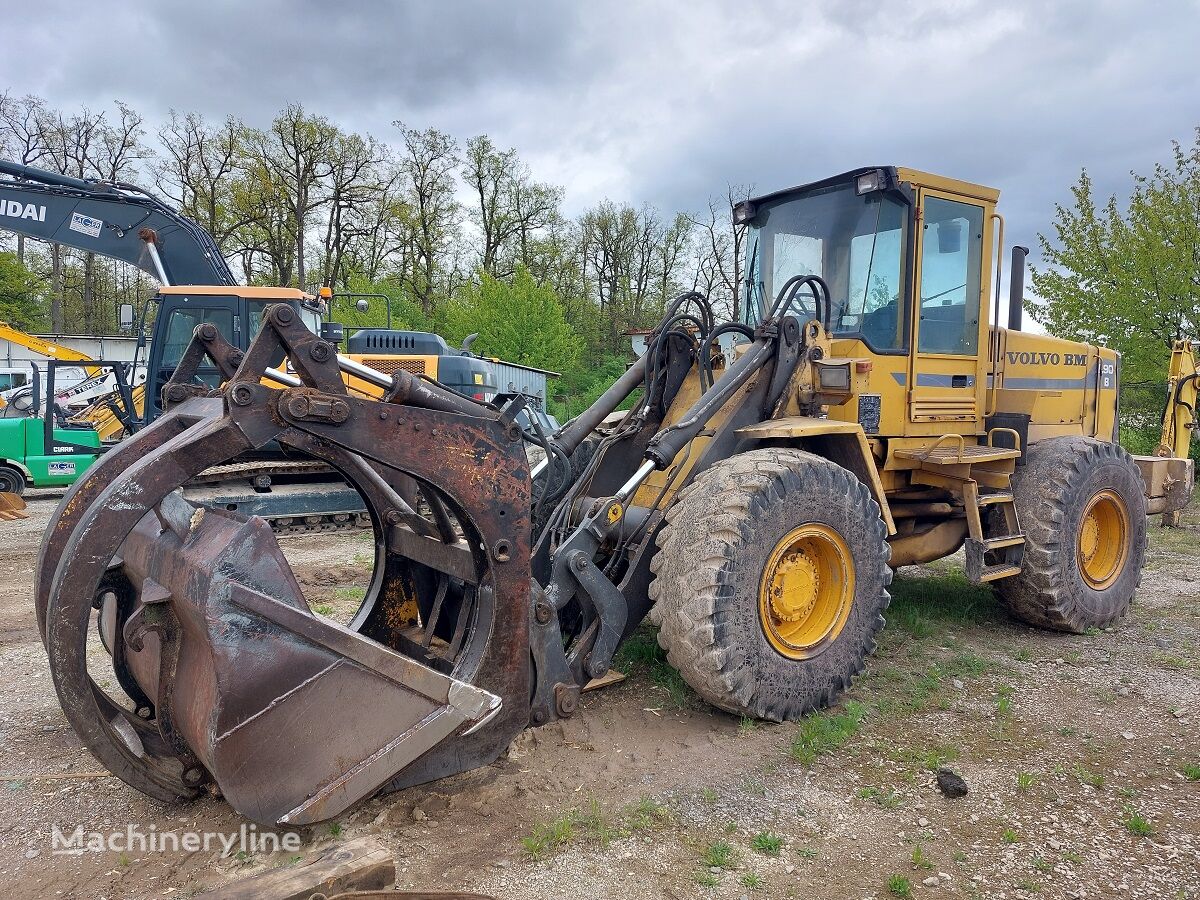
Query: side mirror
125	315
362	305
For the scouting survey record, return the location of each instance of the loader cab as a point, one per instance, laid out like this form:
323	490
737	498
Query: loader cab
237	313
907	257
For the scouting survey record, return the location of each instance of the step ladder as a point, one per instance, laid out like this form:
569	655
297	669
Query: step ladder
995	544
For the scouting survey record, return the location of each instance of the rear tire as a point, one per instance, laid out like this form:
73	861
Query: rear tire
770	582
11	481
1082	505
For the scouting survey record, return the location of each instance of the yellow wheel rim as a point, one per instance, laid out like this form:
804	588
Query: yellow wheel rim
806	591
1103	543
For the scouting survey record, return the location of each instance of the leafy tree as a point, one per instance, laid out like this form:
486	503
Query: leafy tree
1129	278
21	294
518	322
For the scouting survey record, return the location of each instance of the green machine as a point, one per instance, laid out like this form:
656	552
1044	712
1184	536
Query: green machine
36	451
27	460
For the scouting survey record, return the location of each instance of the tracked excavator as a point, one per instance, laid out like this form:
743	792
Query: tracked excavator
752	503
124	222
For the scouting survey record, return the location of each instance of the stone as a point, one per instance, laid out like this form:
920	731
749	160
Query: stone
931	881
951	784
923	822
418	814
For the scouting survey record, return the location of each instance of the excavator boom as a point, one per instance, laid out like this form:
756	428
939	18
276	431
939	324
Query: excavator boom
116	220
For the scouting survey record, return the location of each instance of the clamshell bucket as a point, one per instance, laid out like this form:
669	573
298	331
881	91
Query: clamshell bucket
227	677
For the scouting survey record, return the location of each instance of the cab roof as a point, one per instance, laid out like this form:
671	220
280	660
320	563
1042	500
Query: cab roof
235	290
915	177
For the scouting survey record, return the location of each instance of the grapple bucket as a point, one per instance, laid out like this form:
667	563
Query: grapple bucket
226	676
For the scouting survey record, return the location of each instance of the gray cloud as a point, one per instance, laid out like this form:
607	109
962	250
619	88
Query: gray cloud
667	102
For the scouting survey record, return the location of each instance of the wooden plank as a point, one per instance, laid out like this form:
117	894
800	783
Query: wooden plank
608	679
363	864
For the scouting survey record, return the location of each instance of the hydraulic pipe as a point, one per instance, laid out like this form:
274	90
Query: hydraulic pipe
571	435
667	443
29	173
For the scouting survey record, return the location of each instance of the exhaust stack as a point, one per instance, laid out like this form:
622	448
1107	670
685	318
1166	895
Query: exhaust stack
1016	287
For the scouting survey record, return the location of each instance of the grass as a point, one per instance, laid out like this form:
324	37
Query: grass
709	796
1095	779
1028	884
752	881
1009	836
718	855
1137	824
549	835
324	609
641	656
1026	780
885	799
593	823
923	607
920	859
825	732
349	593
1041	865
806	853
1191	772
335	828
899	886
707	879
767	843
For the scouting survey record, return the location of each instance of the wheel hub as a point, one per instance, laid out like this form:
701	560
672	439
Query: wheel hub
1102	545
806	591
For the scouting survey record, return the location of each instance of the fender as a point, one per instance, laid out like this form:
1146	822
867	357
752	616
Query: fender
844	443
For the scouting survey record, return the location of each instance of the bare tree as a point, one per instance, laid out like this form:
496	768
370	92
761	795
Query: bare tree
22	137
429	162
294	154
199	170
510	206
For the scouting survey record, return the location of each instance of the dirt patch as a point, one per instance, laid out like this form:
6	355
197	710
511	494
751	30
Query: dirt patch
1077	751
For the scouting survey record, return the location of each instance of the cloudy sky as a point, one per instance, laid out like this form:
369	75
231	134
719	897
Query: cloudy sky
667	102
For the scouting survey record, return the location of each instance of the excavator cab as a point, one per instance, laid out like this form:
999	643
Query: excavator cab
235	311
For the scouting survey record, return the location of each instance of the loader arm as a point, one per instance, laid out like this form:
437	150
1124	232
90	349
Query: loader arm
116	220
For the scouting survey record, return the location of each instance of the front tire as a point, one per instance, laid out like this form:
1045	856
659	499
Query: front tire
11	481
770	582
1082	505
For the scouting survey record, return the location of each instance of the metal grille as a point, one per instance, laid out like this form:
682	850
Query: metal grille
391	365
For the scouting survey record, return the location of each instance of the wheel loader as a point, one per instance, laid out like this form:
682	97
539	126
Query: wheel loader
753	502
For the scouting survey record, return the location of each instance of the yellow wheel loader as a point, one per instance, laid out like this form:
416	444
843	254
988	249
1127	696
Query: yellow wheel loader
754	502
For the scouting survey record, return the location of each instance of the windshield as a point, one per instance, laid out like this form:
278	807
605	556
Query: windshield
855	243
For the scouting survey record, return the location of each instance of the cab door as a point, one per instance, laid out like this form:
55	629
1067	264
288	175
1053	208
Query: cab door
947	377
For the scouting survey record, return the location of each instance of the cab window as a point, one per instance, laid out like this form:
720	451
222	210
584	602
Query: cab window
951	261
182	324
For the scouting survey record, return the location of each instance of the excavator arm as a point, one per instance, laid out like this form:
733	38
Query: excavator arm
46	348
1183	388
117	220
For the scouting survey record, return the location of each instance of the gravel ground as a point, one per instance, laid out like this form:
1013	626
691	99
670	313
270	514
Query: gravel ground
1075	750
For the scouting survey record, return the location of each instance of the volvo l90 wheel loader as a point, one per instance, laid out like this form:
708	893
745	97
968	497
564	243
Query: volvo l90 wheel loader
754	504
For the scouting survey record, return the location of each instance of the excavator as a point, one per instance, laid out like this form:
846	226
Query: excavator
124	222
753	503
